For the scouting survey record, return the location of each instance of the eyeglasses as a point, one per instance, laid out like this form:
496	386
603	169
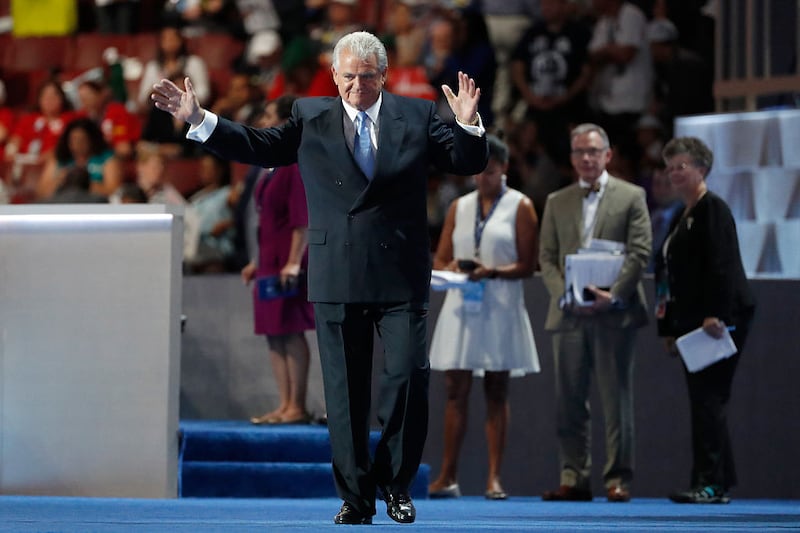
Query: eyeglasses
591	152
678	167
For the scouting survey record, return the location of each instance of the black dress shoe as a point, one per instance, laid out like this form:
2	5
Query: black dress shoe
349	515
399	506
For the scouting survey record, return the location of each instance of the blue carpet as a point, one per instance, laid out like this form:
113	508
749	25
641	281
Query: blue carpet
469	514
235	459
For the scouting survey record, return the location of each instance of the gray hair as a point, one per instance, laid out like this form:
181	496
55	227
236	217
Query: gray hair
700	153
588	127
364	46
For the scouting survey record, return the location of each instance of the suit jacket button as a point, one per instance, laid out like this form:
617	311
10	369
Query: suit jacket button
350	217
347	243
339	183
384	245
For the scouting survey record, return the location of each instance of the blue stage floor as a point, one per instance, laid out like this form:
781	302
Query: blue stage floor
469	514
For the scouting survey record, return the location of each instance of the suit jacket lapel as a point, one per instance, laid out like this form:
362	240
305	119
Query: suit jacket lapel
332	130
604	206
575	211
392	130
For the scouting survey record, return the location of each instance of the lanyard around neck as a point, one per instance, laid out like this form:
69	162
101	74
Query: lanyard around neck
480	221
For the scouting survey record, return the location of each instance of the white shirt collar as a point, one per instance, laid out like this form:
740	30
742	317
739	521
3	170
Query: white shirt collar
372	111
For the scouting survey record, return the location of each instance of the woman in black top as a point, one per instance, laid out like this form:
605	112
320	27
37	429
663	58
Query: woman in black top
700	282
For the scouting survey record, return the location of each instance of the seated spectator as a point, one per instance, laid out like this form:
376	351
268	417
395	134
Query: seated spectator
116	16
664	205
205	16
407	34
75	189
173	61
82	145
531	170
7	118
130	193
242	101
650	142
550	69
622	83
120	128
263	58
167	135
340	19
301	73
258	17
35	134
683	80
215	218
151	177
460	43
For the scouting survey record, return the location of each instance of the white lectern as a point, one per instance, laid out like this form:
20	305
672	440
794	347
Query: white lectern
90	299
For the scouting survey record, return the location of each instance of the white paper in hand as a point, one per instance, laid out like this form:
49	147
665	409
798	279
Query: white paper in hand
698	349
441	280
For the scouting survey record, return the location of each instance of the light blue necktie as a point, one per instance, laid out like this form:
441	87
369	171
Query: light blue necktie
362	148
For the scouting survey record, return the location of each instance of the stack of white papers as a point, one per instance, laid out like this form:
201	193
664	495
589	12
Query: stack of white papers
698	349
442	280
584	269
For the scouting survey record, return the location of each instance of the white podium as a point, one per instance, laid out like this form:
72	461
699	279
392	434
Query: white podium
90	299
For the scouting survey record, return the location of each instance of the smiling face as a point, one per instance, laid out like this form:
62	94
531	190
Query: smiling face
686	176
359	80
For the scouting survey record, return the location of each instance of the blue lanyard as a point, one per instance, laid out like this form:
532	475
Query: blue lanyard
480	221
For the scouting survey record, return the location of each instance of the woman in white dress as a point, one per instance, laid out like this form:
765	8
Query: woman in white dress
483	329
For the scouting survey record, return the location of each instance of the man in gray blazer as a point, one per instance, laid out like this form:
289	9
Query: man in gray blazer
364	158
600	337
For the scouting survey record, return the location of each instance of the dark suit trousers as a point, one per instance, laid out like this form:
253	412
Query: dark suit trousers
345	334
592	349
709	395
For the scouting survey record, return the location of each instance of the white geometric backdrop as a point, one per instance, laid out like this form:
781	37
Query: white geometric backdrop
757	171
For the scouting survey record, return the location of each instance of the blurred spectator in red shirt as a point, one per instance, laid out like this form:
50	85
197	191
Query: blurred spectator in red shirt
7	118
35	135
120	128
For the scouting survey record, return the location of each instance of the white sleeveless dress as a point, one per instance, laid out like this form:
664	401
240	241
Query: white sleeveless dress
498	337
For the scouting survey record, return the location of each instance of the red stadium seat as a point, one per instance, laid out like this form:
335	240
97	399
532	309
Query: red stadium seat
89	48
184	174
37	53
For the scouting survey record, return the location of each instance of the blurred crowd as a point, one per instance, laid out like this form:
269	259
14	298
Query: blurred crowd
542	66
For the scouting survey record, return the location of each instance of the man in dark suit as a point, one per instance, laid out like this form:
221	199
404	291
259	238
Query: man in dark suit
364	158
598	338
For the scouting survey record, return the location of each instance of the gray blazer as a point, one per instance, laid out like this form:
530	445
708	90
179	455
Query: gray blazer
622	216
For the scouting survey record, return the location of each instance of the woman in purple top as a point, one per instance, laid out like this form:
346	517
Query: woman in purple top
280	199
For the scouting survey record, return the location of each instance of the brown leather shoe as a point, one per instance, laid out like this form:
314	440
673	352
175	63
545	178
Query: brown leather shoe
565	493
618	494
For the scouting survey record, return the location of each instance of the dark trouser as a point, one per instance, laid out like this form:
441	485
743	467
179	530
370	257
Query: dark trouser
606	353
345	336
709	394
